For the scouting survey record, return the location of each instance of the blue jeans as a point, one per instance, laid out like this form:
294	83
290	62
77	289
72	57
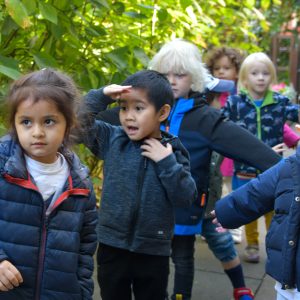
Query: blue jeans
183	248
221	244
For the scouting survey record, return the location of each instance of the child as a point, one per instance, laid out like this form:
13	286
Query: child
47	207
146	174
224	63
263	113
202	129
278	189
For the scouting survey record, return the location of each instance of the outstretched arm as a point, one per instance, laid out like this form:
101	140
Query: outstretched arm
250	201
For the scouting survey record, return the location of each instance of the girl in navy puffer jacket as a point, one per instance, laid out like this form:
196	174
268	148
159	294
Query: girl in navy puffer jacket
47	205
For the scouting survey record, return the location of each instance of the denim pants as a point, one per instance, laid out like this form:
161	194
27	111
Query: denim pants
183	247
220	243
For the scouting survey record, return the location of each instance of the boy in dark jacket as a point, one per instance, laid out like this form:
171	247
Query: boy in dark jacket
146	174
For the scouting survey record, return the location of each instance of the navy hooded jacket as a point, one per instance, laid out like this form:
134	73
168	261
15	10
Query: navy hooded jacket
277	188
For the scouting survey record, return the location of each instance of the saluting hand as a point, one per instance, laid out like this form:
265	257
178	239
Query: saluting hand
114	91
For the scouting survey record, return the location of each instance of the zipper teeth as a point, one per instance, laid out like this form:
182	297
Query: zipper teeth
41	257
139	193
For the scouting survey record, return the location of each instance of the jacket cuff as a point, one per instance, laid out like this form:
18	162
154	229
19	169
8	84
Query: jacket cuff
166	162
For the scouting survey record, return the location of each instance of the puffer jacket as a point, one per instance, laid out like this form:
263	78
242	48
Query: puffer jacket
265	122
138	195
54	253
277	188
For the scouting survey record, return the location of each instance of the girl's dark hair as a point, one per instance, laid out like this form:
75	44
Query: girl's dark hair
236	56
46	84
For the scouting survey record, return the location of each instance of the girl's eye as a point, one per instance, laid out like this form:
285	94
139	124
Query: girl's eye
139	108
26	122
123	108
49	122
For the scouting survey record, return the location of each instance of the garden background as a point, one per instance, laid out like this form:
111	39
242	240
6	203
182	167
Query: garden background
102	41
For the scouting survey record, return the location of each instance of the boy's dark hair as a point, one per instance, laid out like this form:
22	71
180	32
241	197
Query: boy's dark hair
236	56
156	86
46	84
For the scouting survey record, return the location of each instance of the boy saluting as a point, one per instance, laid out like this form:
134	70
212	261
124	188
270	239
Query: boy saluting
146	174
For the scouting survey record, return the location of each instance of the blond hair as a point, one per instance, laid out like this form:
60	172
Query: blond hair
181	57
249	61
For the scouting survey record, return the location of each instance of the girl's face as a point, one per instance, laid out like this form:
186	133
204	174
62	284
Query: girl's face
224	69
180	83
40	129
258	80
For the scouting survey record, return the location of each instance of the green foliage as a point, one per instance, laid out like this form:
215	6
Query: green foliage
97	41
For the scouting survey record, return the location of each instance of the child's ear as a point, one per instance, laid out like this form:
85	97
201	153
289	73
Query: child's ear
164	112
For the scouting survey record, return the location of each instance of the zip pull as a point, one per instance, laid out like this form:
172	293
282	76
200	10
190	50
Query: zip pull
145	162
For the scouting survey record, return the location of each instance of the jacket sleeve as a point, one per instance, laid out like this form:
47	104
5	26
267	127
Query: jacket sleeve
3	256
250	201
290	138
94	133
174	173
292	111
87	249
233	141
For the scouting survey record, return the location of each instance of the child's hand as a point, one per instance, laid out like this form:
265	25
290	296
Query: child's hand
10	277
279	148
153	149
114	91
215	221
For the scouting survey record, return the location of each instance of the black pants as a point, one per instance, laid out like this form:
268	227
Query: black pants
121	273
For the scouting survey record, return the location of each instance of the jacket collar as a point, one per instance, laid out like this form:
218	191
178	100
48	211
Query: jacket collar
12	162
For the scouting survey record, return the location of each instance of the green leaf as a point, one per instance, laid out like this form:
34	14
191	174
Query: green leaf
185	3
18	13
101	2
93	79
30	6
44	60
9	62
119	57
140	54
118	8
11	73
162	14
135	15
48	12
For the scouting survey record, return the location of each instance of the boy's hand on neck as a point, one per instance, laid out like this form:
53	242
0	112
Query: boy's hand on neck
155	150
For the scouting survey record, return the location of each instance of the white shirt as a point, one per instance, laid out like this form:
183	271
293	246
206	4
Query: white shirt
49	178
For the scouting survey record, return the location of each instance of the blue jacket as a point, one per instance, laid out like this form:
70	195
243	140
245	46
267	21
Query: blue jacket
203	129
53	254
138	196
278	188
265	122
